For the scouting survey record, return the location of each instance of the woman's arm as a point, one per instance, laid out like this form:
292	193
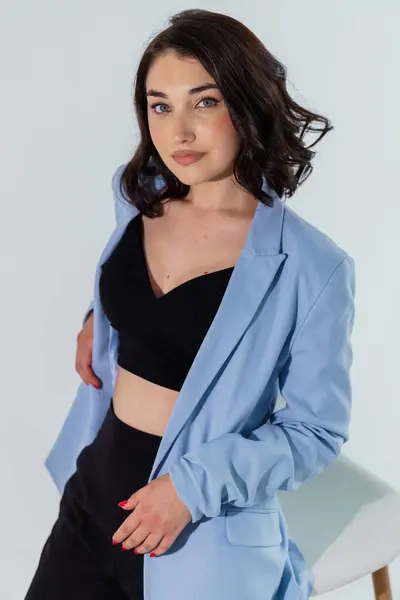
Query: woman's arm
305	436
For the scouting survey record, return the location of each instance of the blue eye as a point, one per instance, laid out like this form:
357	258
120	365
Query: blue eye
214	100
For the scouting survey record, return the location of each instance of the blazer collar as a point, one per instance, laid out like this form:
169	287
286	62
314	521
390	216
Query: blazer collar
265	235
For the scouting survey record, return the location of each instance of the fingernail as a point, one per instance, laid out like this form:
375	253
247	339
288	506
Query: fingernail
123	503
123	548
136	551
153	554
114	542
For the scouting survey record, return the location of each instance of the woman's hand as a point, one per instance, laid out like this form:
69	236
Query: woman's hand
157	520
83	360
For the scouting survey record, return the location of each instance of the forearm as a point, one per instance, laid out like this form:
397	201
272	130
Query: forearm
249	471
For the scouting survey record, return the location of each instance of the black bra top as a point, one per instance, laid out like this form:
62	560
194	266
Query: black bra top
158	336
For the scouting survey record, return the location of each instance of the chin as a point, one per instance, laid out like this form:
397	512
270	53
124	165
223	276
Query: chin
189	178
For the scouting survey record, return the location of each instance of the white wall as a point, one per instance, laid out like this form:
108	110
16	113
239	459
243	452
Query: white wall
67	122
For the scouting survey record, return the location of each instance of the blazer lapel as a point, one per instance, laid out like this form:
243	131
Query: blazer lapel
251	280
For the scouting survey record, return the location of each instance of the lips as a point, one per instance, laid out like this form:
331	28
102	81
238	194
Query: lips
185	158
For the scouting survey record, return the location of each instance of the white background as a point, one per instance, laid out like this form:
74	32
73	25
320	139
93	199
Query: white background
67	122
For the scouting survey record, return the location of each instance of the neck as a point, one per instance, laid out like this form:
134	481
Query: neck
221	196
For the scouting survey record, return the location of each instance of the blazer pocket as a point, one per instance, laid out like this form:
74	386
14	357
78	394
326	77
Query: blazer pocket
247	528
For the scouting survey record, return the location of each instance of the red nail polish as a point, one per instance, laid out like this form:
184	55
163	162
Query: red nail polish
136	551
114	542
153	554
123	503
123	548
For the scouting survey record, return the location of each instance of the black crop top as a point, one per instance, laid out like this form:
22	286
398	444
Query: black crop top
158	336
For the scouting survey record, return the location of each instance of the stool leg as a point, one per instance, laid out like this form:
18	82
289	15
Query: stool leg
381	581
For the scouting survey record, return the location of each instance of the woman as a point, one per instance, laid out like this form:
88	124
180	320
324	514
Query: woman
211	298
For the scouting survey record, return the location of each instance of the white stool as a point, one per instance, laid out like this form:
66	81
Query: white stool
346	521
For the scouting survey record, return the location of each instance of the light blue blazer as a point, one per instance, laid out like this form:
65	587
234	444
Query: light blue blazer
282	330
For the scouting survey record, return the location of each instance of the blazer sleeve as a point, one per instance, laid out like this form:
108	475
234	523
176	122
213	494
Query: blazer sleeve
119	209
302	438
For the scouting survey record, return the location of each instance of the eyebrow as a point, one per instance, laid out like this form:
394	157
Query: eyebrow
195	90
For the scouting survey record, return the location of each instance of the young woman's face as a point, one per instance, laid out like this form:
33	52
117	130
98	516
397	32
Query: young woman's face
198	122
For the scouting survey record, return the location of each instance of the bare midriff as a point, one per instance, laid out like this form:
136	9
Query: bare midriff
142	404
206	243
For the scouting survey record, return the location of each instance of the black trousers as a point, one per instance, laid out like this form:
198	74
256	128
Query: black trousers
78	560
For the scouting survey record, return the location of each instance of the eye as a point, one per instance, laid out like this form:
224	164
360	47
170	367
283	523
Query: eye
154	106
213	100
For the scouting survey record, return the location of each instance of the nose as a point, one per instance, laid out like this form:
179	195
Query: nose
182	129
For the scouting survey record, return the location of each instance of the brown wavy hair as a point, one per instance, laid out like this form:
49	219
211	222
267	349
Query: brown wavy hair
252	82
